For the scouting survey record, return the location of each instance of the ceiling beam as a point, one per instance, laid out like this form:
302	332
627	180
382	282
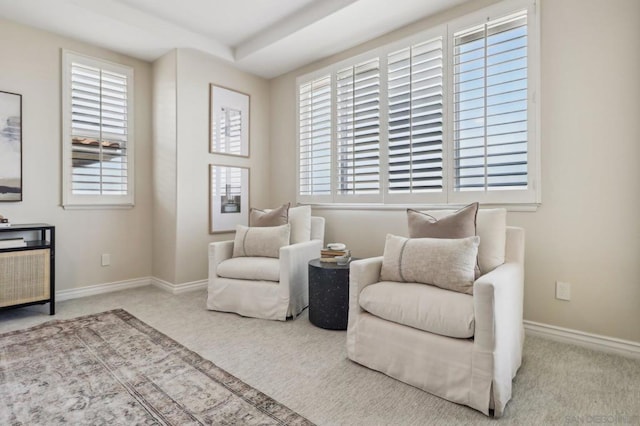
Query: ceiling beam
175	35
288	25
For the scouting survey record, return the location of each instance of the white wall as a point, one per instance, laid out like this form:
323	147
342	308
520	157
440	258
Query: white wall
586	231
164	167
31	66
166	234
189	154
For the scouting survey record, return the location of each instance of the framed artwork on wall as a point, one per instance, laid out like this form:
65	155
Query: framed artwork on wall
10	146
228	121
228	198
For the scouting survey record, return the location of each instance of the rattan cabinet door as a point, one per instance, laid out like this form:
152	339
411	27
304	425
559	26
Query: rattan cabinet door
24	276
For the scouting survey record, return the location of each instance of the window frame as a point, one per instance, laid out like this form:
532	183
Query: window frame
531	197
103	201
500	10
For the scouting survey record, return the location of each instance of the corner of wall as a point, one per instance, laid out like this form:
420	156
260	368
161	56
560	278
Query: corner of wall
164	161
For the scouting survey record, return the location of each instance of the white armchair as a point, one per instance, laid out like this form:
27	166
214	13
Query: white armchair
262	287
476	369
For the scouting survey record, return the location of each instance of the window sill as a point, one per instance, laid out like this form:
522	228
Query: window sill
532	207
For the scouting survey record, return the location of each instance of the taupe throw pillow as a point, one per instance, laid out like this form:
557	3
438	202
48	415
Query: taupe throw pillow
275	217
460	224
443	262
260	241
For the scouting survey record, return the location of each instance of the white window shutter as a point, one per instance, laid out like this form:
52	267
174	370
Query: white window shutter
358	129
99	131
490	104
97	142
415	92
314	162
446	116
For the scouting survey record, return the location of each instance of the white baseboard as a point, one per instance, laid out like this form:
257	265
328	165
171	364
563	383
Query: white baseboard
92	290
598	342
178	288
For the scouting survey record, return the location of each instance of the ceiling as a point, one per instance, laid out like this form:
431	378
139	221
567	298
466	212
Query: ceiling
264	37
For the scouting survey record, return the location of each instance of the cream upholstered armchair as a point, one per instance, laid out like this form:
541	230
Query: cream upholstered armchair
465	348
264	287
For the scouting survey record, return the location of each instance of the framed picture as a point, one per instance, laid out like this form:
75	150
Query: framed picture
228	198
228	121
10	146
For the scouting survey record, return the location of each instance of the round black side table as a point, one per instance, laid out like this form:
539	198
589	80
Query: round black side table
328	294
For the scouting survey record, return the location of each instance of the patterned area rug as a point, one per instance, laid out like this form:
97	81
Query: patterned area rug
111	368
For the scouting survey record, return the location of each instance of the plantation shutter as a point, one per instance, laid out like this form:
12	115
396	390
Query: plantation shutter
315	137
490	106
99	131
358	129
415	79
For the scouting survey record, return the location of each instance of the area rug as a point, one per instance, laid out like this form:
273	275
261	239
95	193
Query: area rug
111	368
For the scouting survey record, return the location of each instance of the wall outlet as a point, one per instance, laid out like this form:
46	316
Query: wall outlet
563	290
106	259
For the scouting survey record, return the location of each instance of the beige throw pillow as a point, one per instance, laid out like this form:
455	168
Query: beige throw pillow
260	241
491	227
445	263
459	224
275	217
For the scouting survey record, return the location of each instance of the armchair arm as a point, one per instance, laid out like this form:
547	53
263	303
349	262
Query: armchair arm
498	299
362	273
219	251
294	266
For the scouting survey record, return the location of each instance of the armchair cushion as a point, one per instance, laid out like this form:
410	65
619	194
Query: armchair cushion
445	263
250	268
300	221
424	307
260	241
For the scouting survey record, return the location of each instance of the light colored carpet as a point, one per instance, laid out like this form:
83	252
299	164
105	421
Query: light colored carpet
306	368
